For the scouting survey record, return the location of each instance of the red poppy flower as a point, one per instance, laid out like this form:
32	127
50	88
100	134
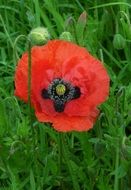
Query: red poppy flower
67	85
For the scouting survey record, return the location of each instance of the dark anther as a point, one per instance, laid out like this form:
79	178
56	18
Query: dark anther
44	94
60	92
77	92
59	106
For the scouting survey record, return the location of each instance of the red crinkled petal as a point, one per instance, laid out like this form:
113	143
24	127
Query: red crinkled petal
93	80
64	123
42	74
21	78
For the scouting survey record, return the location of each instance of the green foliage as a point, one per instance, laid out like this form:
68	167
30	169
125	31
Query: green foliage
37	157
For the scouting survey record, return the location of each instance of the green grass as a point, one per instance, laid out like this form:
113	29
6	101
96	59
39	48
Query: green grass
96	160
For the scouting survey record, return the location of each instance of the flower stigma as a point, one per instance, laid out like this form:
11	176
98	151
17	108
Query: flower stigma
60	89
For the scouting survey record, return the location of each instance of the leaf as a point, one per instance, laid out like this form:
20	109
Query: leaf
3	119
121	171
32	180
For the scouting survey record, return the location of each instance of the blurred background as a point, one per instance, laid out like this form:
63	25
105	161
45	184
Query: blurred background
96	160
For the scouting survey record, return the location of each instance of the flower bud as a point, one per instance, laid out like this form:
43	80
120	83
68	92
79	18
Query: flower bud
118	41
66	36
39	36
83	18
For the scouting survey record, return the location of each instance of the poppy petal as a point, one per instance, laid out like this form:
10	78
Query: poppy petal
65	123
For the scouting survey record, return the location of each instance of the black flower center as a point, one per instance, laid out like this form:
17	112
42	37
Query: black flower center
60	92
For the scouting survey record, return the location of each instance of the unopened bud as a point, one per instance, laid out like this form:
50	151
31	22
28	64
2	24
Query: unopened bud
83	18
118	41
39	36
66	36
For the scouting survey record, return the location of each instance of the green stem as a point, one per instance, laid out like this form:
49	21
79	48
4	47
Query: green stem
29	83
60	158
116	183
60	152
34	158
69	164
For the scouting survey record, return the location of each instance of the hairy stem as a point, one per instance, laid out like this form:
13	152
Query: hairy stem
116	182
